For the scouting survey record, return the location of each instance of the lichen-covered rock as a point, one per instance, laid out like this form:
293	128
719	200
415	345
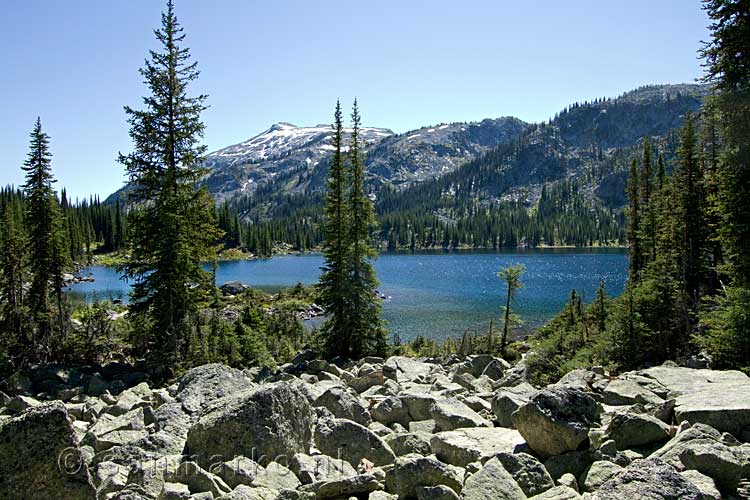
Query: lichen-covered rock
198	479
342	404
261	424
464	446
625	392
40	457
701	448
314	468
649	479
391	410
450	414
403	369
351	441
557	493
630	430
494	482
712	397
704	483
597	474
440	492
508	399
360	484
556	420
410	442
527	471
410	472
205	384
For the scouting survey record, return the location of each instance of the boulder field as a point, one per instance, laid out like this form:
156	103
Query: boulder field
469	428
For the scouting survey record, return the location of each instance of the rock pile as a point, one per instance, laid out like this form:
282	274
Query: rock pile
378	429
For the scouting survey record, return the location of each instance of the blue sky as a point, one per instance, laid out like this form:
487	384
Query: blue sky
410	63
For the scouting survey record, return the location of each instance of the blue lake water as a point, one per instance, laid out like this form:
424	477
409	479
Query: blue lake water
436	294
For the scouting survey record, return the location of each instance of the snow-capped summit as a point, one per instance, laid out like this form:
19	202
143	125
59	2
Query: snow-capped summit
282	147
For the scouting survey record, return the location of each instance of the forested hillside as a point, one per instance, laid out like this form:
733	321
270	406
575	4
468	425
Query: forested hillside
561	182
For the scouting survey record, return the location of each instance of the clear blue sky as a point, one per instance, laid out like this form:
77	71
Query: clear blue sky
411	63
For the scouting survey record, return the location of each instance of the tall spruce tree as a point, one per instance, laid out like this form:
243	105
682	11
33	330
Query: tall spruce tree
43	222
14	273
727	63
690	209
634	216
334	278
368	336
648	220
172	228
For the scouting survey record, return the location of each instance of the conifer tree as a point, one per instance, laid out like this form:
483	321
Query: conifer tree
368	336
45	253
512	277
14	273
599	308
636	258
648	217
172	228
727	63
334	278
690	209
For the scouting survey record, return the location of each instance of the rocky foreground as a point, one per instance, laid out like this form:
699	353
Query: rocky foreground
377	429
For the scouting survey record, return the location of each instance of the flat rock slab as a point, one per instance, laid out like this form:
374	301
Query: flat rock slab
464	446
720	399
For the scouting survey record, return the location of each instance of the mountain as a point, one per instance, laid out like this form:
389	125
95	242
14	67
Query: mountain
397	159
284	147
591	143
429	152
498	182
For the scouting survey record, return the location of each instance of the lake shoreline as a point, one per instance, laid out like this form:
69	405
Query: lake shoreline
436	294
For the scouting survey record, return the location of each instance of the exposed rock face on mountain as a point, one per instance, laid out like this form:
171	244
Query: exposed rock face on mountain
300	155
287	434
283	148
429	152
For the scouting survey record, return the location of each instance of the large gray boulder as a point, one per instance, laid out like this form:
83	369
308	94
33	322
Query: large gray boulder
556	420
409	473
597	474
338	437
450	414
492	481
702	448
508	399
201	386
440	492
557	493
314	468
704	483
409	442
198	479
650	479
40	457
619	392
418	404
261	424
527	471
711	397
464	446
633	430
344	404
403	369
391	410
353	486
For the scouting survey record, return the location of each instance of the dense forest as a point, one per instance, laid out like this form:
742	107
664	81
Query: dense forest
677	198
